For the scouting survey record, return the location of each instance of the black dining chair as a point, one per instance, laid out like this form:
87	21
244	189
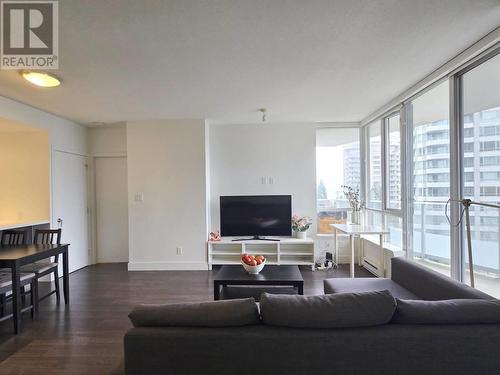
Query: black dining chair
6	287
14	237
40	269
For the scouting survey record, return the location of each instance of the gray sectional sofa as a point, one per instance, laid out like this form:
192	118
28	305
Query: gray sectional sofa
416	323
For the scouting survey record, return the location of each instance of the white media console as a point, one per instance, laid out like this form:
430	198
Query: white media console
290	251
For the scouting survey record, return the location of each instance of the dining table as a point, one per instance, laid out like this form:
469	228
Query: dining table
16	256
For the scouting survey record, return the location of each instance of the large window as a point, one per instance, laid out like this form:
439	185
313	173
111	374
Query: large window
393	223
374	183
418	171
384	180
337	164
481	120
430	173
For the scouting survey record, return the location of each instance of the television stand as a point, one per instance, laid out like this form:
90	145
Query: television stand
286	251
256	238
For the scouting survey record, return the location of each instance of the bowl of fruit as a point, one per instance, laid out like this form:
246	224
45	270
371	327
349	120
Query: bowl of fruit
253	264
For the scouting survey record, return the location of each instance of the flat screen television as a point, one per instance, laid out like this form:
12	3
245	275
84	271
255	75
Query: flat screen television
256	215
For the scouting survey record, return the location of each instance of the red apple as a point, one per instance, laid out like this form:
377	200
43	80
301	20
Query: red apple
260	257
253	263
258	260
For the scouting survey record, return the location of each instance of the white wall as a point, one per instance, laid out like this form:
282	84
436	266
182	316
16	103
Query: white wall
167	165
241	155
64	135
108	140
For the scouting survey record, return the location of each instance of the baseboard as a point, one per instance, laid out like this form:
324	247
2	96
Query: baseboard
167	266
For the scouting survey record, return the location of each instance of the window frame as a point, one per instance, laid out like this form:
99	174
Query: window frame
384	144
386	213
457	121
386	162
366	157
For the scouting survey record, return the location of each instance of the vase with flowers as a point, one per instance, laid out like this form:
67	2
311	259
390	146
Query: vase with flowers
355	203
300	225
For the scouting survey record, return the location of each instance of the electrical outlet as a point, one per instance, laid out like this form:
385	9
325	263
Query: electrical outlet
263	180
270	180
179	251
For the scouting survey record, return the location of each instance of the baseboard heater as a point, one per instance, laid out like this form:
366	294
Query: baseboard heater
371	267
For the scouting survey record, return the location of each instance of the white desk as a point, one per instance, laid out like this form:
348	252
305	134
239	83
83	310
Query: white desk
356	230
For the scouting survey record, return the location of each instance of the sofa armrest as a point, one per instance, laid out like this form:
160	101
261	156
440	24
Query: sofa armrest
429	284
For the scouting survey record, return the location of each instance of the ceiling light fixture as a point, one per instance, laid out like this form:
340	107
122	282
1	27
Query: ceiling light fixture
264	114
41	79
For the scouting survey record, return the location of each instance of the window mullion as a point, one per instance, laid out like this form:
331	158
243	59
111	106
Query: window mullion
456	259
406	177
364	163
383	161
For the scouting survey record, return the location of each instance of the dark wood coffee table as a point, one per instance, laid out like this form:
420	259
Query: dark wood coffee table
269	276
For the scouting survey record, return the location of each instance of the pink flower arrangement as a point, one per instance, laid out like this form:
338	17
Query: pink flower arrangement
301	223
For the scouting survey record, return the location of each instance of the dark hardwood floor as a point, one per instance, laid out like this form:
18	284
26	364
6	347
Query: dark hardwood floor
86	337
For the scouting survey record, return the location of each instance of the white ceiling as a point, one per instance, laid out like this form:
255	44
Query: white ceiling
331	60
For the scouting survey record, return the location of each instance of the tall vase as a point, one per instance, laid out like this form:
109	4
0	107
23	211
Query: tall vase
355	217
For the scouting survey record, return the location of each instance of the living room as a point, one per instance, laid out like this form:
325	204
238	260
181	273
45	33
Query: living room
187	183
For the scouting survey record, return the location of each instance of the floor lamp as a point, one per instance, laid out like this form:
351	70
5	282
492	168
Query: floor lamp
467	203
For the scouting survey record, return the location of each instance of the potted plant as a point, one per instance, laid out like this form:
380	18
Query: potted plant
300	225
352	196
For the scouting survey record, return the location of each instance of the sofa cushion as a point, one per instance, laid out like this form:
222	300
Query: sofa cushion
231	313
254	291
328	311
366	284
453	311
429	284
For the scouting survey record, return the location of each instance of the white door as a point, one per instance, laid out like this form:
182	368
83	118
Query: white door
69	204
111	209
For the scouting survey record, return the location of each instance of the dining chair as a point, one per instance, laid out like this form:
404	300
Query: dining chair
6	287
40	269
14	237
